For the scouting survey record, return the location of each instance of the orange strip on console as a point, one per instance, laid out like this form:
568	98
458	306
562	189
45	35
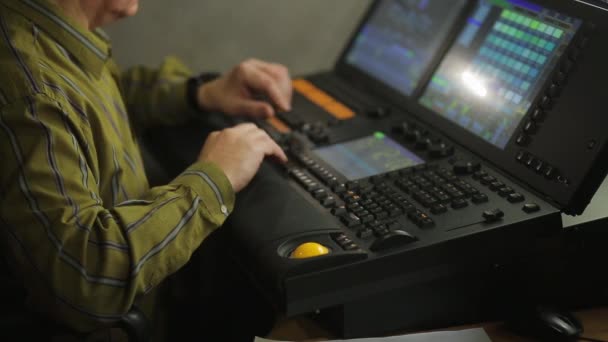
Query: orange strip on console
279	125
322	99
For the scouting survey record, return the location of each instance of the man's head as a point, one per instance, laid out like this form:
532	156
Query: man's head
96	13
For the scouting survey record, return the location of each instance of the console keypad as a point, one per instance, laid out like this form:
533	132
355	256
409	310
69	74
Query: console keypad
497	186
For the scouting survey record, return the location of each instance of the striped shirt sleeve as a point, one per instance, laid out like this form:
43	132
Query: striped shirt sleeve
95	259
157	96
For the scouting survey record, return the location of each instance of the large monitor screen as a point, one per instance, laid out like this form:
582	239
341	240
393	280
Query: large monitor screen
498	65
398	42
366	157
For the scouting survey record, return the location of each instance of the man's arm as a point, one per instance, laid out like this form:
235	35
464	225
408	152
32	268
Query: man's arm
93	260
160	96
157	96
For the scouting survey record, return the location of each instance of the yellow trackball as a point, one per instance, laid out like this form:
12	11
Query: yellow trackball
309	250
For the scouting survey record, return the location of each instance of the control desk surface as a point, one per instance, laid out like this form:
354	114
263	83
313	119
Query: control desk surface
447	134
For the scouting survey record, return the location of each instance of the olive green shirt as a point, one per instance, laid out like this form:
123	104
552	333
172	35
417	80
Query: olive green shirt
86	233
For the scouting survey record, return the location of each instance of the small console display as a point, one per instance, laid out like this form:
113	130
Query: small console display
366	157
498	66
400	39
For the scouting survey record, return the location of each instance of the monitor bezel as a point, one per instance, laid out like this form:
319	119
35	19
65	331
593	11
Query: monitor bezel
503	158
367	82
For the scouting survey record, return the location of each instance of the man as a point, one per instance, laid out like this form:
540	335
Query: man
86	235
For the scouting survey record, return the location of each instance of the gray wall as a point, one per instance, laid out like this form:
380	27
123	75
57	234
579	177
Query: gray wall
306	36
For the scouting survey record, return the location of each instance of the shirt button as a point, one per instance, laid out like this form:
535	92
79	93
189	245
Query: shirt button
224	209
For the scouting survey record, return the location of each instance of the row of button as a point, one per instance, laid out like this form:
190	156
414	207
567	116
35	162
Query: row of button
317	132
498	186
366	212
546	103
314	188
366	203
322	173
436	189
420	218
532	125
537	165
423	141
345	242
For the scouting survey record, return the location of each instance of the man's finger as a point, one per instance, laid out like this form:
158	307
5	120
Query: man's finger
281	75
272	149
262	82
245	127
253	108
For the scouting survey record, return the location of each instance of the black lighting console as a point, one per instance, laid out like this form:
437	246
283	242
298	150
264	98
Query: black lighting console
448	135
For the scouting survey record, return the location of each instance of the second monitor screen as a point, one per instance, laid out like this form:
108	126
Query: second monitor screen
399	40
498	66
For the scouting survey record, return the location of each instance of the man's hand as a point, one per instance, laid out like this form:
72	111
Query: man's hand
239	152
238	92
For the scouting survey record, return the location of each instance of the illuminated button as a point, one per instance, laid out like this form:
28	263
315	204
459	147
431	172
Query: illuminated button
309	250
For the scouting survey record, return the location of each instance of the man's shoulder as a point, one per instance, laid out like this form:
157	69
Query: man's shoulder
20	73
28	63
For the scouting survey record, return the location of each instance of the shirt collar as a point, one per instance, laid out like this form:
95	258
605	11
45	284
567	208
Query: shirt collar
91	48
